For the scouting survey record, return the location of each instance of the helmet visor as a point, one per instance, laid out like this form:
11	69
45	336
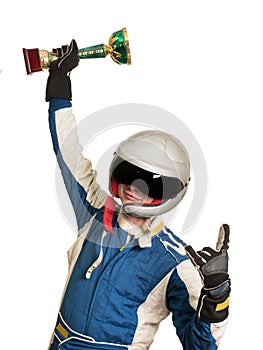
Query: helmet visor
153	185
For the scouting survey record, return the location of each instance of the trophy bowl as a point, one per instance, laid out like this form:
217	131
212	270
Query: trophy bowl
118	48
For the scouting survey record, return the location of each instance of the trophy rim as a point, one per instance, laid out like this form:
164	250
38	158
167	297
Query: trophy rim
127	45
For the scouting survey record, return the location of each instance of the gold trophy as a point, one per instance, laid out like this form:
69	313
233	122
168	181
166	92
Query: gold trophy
118	48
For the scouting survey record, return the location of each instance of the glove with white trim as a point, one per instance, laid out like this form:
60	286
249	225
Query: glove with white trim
59	84
212	265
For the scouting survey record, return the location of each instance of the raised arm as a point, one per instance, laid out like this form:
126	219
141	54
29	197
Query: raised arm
80	179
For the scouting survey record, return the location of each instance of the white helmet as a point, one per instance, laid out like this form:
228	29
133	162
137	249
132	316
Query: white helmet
157	164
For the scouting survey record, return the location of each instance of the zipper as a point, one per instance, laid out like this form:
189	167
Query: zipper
113	261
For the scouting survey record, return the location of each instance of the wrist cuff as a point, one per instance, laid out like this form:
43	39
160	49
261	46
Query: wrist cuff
219	290
213	309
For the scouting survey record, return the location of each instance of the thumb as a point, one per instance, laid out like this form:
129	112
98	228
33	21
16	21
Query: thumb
73	46
223	238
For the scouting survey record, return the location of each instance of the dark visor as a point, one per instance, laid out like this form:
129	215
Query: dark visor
153	185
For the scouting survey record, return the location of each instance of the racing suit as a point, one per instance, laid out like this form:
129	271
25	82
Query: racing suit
121	286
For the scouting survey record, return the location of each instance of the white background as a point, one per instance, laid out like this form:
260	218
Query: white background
202	61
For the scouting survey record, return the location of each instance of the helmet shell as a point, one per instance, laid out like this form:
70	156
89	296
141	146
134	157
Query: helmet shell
159	153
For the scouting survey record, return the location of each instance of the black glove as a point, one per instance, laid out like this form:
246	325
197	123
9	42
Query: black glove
213	267
59	84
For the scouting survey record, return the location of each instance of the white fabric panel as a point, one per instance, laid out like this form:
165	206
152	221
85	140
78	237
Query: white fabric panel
218	330
71	150
150	314
192	280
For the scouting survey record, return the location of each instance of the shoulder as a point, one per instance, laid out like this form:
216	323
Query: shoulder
173	245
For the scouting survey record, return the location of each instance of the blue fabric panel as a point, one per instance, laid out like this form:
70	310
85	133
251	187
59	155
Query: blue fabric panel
54	345
75	344
193	333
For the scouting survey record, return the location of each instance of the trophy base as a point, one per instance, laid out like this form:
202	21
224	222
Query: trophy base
32	60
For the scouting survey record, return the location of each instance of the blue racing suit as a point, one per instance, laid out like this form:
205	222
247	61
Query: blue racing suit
121	286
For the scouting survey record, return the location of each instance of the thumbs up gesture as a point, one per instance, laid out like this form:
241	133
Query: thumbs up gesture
213	268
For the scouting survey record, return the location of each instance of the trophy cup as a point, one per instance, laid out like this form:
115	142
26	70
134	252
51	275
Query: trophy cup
118	48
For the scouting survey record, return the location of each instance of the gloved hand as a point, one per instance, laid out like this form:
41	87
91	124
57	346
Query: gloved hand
59	84
213	268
